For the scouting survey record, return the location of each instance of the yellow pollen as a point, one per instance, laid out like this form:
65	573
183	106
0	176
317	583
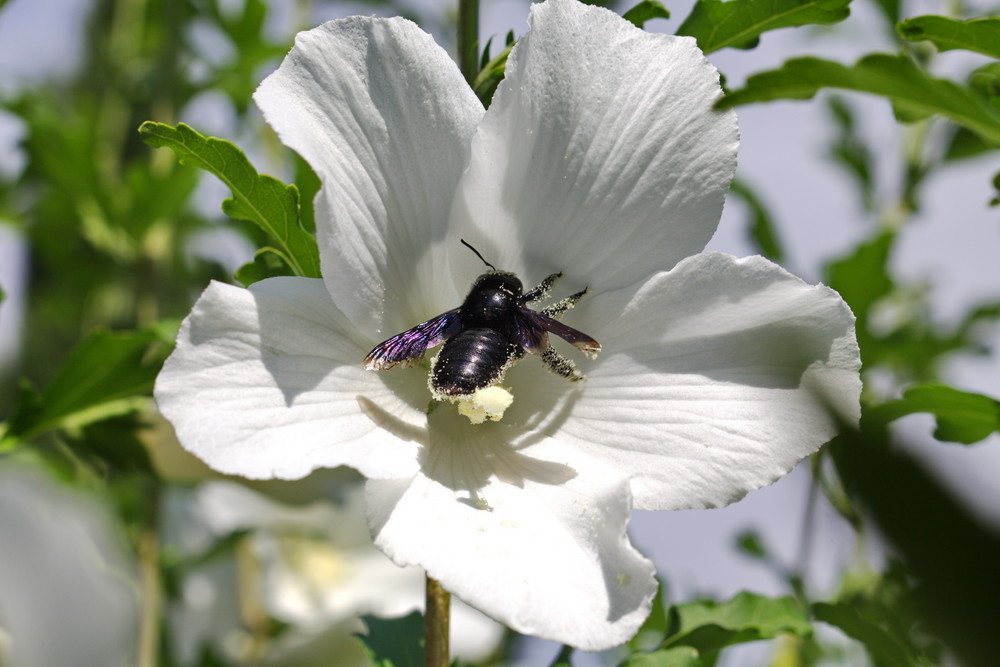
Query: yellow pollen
489	403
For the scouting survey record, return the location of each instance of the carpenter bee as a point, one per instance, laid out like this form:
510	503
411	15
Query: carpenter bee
492	329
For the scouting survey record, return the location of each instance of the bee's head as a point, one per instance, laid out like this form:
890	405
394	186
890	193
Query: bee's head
502	281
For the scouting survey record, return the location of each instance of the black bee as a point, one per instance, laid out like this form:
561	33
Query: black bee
491	330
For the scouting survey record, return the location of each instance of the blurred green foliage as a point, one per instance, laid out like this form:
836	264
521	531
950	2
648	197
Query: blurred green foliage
116	242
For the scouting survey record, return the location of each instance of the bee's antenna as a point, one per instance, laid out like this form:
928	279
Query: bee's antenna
469	246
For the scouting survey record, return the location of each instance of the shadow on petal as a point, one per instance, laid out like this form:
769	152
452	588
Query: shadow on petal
391	423
465	457
772	357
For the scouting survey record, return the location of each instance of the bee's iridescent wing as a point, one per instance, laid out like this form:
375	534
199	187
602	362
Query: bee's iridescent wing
408	347
531	334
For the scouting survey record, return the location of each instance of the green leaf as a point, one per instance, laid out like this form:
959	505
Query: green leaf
711	626
890	9
965	143
739	23
895	77
981	35
267	263
245	26
485	57
644	11
679	656
750	544
562	659
850	150
107	374
261	199
950	553
996	186
308	184
394	642
762	229
862	277
489	77
961	416
985	80
880	645
654	628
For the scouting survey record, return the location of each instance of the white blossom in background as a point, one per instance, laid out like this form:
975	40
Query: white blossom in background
67	589
312	567
600	156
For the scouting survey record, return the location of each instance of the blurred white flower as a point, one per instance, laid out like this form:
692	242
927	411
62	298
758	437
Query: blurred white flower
600	156
66	585
312	567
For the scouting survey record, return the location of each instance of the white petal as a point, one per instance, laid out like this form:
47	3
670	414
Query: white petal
716	379
384	117
268	382
600	154
537	541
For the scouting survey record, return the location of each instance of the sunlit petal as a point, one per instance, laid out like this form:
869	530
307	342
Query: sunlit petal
716	379
534	537
601	155
384	117
267	382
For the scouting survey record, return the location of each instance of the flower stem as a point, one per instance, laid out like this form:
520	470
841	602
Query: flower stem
436	620
468	38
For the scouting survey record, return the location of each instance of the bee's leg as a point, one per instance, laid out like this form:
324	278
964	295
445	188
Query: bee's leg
542	290
560	365
556	310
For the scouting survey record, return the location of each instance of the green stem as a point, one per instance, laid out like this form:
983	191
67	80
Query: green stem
151	598
468	38
436	621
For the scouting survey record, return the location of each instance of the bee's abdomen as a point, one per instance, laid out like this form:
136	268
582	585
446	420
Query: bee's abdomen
471	360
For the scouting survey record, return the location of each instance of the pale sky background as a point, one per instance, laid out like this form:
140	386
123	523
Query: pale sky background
953	244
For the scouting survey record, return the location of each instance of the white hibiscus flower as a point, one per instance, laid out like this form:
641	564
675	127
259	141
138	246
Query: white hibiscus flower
600	157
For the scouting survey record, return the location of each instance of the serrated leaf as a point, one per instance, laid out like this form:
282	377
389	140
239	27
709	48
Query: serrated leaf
711	626
644	11
896	78
739	23
267	263
981	35
882	648
961	416
394	642
107	374
679	656
260	199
